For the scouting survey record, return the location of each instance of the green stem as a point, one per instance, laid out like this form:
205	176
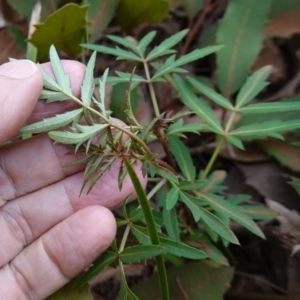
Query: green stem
124	239
230	120
213	158
151	90
144	203
156	188
115	125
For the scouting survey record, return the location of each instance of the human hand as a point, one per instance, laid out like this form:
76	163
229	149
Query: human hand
47	233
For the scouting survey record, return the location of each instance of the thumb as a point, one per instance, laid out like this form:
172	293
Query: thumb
20	86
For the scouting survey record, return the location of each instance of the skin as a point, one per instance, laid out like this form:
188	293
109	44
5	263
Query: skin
48	233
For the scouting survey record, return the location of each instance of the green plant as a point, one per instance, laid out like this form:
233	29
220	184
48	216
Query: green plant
205	213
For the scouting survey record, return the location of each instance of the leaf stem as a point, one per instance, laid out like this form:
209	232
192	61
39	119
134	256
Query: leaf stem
229	122
156	188
213	158
151	90
151	228
124	238
112	124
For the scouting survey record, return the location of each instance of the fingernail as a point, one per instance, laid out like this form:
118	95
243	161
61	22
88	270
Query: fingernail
18	69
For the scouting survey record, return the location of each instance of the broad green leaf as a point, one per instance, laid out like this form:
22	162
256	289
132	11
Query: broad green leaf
197	105
183	158
270	107
178	128
131	13
217	203
100	13
206	217
98	265
53	123
66	137
18	36
171	198
258	212
118	103
265	129
281	7
120	53
253	85
200	280
170	65
140	252
22	7
62	78
210	93
65	29
164	47
145	41
241	32
171	223
25	7
87	88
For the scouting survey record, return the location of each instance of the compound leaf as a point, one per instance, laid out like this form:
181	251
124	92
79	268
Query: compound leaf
197	105
53	123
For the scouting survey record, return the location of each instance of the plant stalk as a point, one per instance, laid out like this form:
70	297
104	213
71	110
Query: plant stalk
124	238
151	228
151	90
213	158
115	125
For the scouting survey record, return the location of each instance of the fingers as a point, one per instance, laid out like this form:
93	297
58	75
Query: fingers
21	83
43	110
23	220
60	254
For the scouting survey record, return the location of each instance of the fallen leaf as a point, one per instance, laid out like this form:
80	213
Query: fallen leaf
131	13
193	281
100	13
64	29
282	151
284	25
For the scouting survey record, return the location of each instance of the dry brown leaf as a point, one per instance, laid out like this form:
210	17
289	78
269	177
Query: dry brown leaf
283	151
269	179
250	154
289	223
8	47
271	55
285	25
